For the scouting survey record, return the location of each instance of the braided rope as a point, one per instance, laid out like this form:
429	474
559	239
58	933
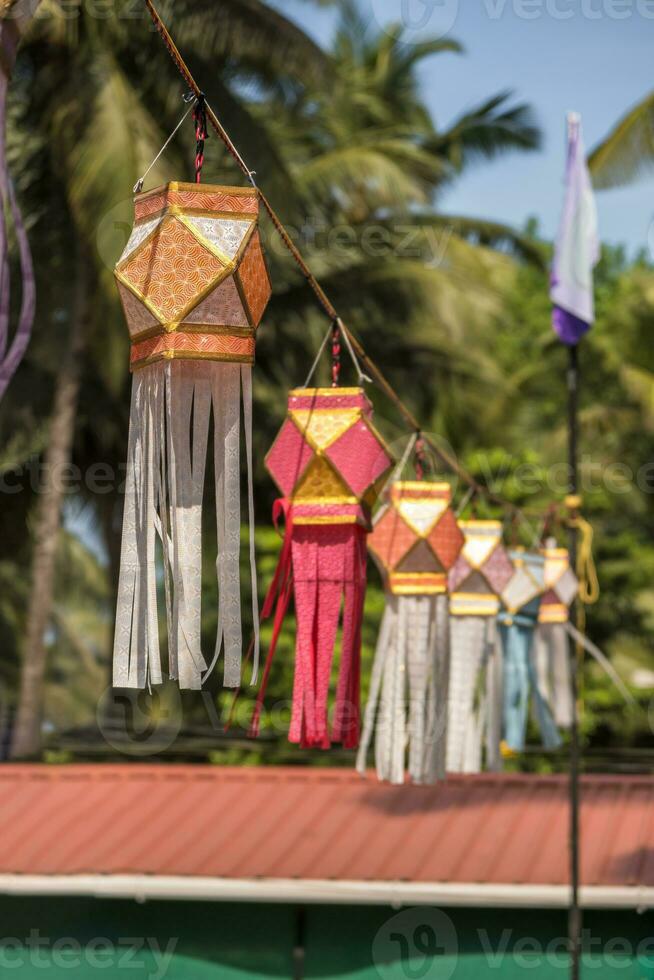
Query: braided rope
321	296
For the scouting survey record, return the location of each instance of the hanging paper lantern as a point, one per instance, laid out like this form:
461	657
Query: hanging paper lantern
518	618
551	643
415	541
481	572
329	462
193	285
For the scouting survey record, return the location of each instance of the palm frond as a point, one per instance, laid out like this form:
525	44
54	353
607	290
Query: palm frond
383	174
627	153
119	144
495	235
245	30
488	131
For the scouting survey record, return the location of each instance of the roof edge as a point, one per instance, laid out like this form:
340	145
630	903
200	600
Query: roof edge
143	888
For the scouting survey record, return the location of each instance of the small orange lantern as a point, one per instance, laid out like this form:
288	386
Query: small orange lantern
416	541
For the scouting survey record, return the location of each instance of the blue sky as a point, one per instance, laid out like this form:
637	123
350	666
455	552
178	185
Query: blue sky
598	62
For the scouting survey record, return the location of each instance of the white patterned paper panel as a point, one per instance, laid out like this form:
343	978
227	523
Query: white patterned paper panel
422	514
479	544
222	306
567	587
226	234
139	234
520	590
554	568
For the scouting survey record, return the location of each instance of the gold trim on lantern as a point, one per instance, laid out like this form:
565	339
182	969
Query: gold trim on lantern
175	355
327	393
324	501
553	612
417	583
474	604
178	325
181	185
425	488
328	519
179	212
474	523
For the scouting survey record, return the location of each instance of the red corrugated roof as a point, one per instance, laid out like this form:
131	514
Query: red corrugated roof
319	824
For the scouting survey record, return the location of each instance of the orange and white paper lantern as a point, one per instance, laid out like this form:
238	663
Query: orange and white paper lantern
194	285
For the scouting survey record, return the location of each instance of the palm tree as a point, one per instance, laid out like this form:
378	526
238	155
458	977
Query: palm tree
97	89
370	162
627	153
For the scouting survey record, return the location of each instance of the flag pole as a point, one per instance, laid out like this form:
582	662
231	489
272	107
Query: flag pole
576	253
575	913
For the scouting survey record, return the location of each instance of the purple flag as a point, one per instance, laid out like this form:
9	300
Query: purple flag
577	248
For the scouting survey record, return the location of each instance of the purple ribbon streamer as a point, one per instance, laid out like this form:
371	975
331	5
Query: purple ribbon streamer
11	359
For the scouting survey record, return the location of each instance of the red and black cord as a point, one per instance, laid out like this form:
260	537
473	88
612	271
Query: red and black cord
201	134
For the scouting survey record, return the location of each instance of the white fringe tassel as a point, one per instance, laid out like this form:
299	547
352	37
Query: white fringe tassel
168	440
408	691
475	696
552	662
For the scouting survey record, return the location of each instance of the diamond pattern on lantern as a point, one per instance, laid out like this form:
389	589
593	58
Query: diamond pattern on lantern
567	587
459	573
321	429
560	581
498	569
139	233
288	458
527	582
421	515
482	537
225	234
359	457
253	278
322	482
137	315
391	538
483	554
476	584
416	539
328	456
171	270
446	540
223	306
420	559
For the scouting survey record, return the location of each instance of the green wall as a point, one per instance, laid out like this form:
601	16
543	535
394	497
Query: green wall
212	940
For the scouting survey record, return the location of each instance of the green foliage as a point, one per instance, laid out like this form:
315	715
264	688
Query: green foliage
627	153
